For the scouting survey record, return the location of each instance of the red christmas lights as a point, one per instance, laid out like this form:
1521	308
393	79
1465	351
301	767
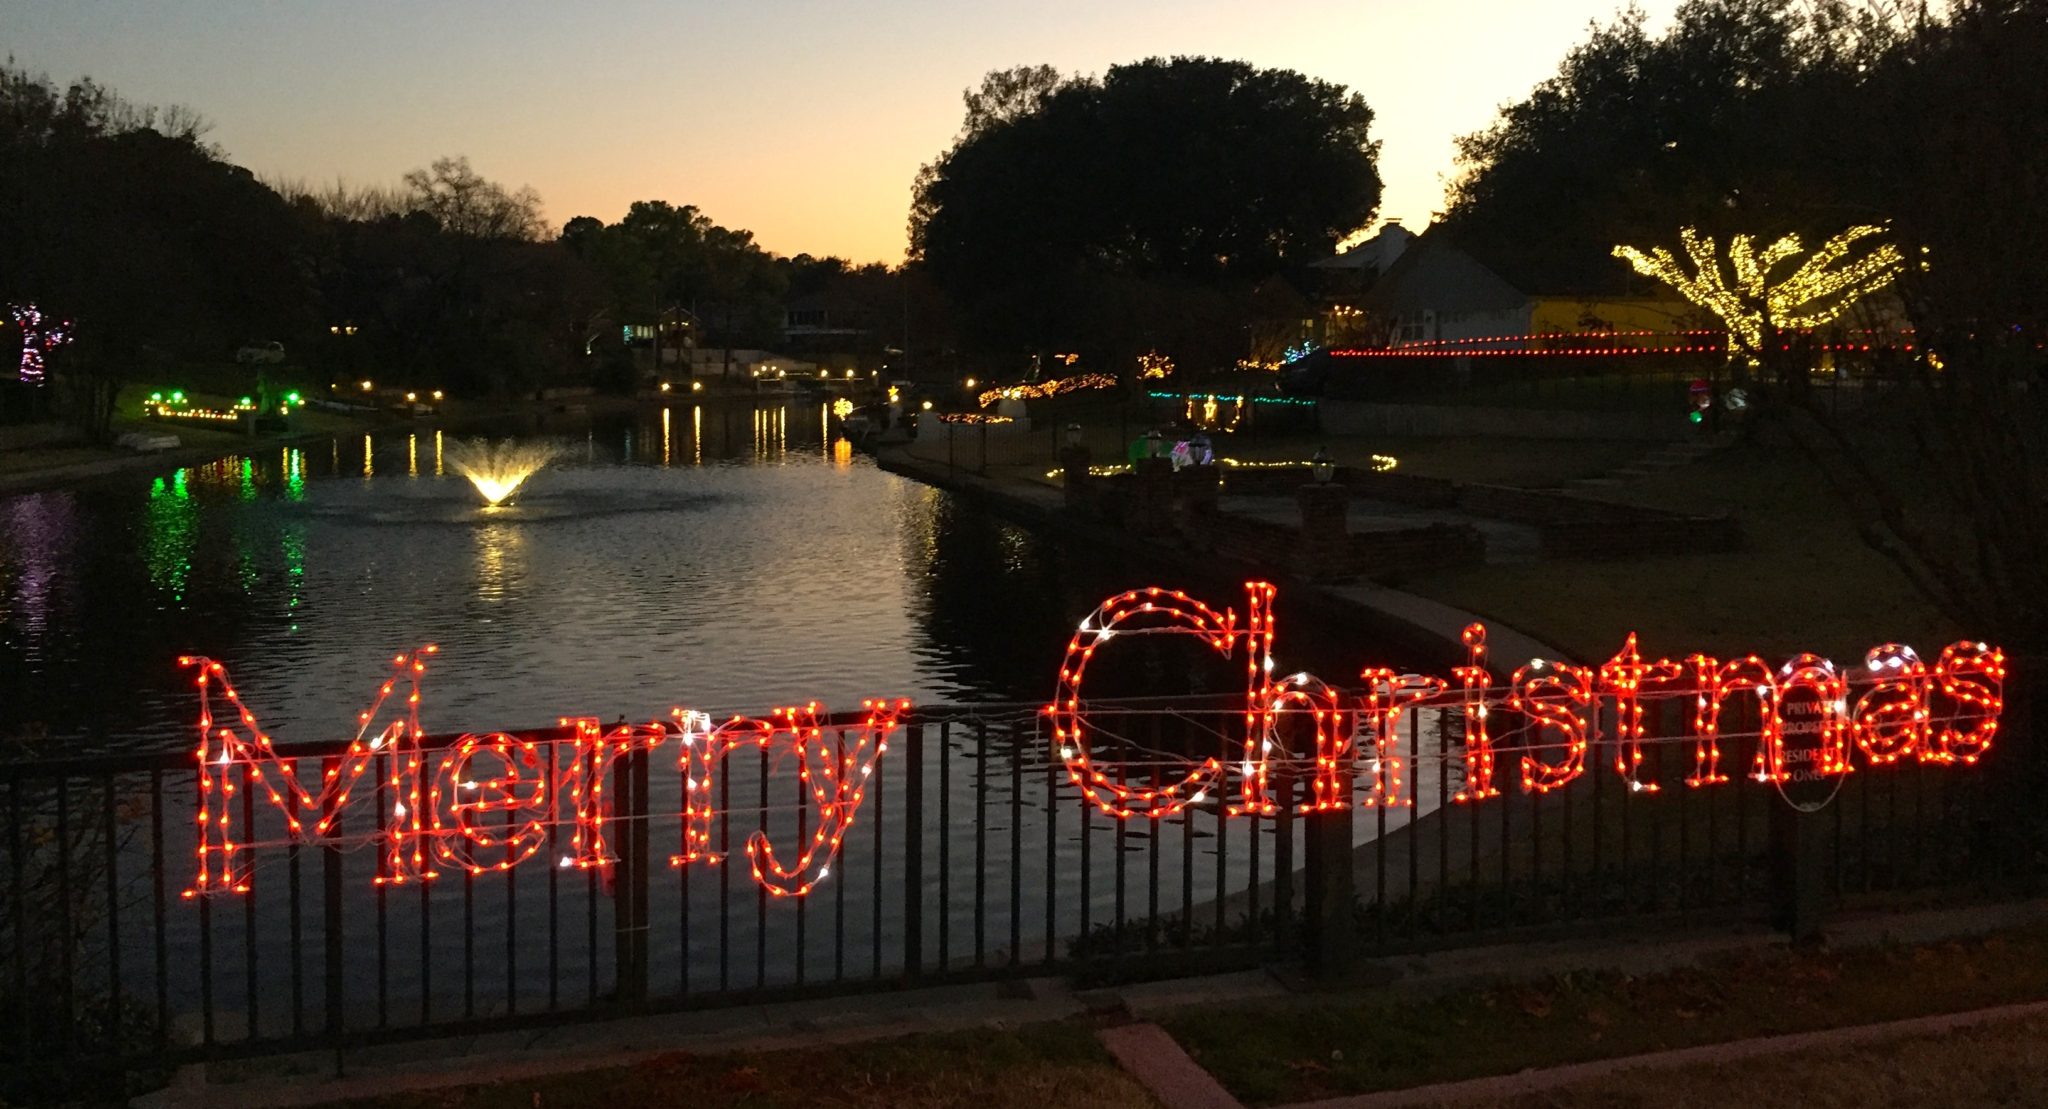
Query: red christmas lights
1549	716
491	802
39	336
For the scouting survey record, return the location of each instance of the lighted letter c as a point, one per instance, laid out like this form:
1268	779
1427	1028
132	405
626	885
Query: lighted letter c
1151	612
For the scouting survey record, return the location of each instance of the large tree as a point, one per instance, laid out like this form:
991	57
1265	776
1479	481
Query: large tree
1188	175
674	261
122	219
1766	118
1722	122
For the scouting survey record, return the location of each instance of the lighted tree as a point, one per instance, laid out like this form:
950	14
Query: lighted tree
1754	297
39	336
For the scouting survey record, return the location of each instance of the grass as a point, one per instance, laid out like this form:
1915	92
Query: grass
1392	1041
32	459
1803	580
1025	1068
2000	1064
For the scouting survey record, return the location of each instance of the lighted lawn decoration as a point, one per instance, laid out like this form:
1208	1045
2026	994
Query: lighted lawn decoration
1754	303
39	336
487	802
175	405
499	468
1379	464
1056	387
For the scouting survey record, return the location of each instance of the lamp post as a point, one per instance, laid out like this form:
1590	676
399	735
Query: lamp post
1154	443
1324	468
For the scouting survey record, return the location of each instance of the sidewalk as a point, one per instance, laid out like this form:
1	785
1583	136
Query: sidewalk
309	1079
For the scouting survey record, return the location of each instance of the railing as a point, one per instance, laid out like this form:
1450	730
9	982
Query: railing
971	857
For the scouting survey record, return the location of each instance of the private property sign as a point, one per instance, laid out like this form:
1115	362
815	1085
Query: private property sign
485	802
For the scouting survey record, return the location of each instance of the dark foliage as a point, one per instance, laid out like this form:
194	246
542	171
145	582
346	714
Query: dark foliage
1139	210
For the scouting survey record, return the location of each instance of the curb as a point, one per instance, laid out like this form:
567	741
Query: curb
1539	1081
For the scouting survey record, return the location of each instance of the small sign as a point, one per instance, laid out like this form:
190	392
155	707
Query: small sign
1805	715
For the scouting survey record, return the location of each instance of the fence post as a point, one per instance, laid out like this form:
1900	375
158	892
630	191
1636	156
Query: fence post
1329	928
330	863
913	851
1798	880
629	878
1284	933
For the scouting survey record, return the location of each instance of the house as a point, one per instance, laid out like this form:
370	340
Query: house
1436	293
747	363
1339	284
824	319
1368	259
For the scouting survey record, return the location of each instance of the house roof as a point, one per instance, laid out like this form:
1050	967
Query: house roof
1376	254
1434	274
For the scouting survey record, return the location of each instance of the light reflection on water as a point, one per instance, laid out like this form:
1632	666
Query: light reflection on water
773	567
723	561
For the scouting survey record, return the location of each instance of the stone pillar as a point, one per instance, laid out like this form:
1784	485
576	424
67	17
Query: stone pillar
1329	920
1152	496
1200	488
1074	475
1325	551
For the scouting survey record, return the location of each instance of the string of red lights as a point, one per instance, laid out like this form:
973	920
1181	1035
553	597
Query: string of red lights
491	800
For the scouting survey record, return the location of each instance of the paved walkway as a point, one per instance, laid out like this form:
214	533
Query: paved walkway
432	1062
441	1062
1169	1074
1555	1078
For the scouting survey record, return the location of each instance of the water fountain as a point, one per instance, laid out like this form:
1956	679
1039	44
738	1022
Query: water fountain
498	468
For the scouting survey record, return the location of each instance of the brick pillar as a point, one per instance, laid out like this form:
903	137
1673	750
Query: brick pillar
1325	552
1074	475
1152	497
1199	489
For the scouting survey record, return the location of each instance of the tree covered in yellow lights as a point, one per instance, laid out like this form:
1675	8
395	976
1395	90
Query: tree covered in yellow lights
1753	291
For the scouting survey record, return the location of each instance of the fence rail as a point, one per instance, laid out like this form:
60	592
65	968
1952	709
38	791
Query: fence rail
971	856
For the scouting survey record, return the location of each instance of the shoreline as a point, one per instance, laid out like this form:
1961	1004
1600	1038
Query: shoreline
83	473
1413	618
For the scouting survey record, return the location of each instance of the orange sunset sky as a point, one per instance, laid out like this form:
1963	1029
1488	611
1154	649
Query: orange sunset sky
804	121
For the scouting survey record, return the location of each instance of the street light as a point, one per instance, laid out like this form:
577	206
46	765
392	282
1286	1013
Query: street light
1073	435
1324	468
1154	443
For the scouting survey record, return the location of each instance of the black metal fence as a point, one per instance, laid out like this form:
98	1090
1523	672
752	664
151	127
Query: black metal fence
972	856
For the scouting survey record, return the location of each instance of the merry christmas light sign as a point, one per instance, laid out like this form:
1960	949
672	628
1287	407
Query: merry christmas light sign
489	802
